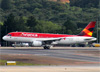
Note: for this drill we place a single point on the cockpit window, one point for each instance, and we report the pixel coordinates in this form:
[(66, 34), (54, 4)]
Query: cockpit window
[(8, 34)]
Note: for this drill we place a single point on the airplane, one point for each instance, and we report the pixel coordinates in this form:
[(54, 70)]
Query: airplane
[(47, 40)]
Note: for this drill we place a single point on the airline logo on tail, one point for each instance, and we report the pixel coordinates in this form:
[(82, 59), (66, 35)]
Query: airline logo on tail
[(88, 30)]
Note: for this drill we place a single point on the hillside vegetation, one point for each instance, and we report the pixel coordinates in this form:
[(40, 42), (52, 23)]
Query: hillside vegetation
[(47, 16)]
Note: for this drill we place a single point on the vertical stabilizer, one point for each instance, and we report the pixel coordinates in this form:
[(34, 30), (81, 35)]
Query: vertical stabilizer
[(88, 30)]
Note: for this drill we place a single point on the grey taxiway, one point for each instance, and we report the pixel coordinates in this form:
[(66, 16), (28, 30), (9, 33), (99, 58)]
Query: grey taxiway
[(67, 53)]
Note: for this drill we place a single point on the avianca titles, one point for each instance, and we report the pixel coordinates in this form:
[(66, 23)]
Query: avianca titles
[(47, 40)]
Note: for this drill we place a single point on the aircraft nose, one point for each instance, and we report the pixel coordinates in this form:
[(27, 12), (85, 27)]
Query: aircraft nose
[(4, 38)]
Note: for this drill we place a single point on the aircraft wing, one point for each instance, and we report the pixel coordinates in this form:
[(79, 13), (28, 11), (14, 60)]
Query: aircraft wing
[(50, 40)]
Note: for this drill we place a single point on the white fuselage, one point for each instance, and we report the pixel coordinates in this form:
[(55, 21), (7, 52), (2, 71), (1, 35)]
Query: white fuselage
[(66, 40)]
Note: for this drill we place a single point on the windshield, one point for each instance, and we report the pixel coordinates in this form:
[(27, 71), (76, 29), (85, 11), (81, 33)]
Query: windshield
[(8, 35)]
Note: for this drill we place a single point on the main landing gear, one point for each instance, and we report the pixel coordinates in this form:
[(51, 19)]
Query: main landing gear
[(46, 47)]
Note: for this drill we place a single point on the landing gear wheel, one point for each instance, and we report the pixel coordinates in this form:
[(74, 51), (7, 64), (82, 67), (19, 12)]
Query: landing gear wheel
[(46, 47)]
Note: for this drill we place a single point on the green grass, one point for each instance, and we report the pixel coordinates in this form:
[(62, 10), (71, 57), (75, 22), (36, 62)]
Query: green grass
[(25, 64), (3, 62)]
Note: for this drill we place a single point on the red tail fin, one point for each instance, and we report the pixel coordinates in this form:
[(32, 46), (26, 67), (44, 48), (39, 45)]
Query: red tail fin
[(88, 30)]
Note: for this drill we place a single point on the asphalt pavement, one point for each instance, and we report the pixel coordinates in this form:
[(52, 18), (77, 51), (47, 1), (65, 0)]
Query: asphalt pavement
[(66, 53)]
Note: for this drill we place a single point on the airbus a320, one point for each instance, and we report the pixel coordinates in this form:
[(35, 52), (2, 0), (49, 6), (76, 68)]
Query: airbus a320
[(47, 40)]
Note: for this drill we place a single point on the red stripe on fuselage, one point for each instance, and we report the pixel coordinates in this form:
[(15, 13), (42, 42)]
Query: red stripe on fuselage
[(38, 35)]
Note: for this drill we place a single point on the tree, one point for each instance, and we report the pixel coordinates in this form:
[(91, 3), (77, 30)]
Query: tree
[(1, 23), (6, 4), (70, 26), (10, 23), (47, 27), (32, 22), (21, 24), (84, 3)]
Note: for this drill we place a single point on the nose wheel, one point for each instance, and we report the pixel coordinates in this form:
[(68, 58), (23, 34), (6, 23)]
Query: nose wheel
[(46, 47)]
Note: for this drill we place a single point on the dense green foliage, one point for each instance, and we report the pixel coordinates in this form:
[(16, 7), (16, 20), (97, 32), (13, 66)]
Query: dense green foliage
[(85, 3), (6, 4), (52, 11), (47, 27), (47, 16)]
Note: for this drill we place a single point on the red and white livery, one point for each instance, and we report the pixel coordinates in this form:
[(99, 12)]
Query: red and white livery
[(46, 40)]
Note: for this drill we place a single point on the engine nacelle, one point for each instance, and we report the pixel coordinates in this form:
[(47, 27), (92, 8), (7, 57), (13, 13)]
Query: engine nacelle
[(37, 43)]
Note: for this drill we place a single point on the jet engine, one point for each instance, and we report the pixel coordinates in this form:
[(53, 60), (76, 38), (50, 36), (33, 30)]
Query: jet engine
[(37, 43)]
